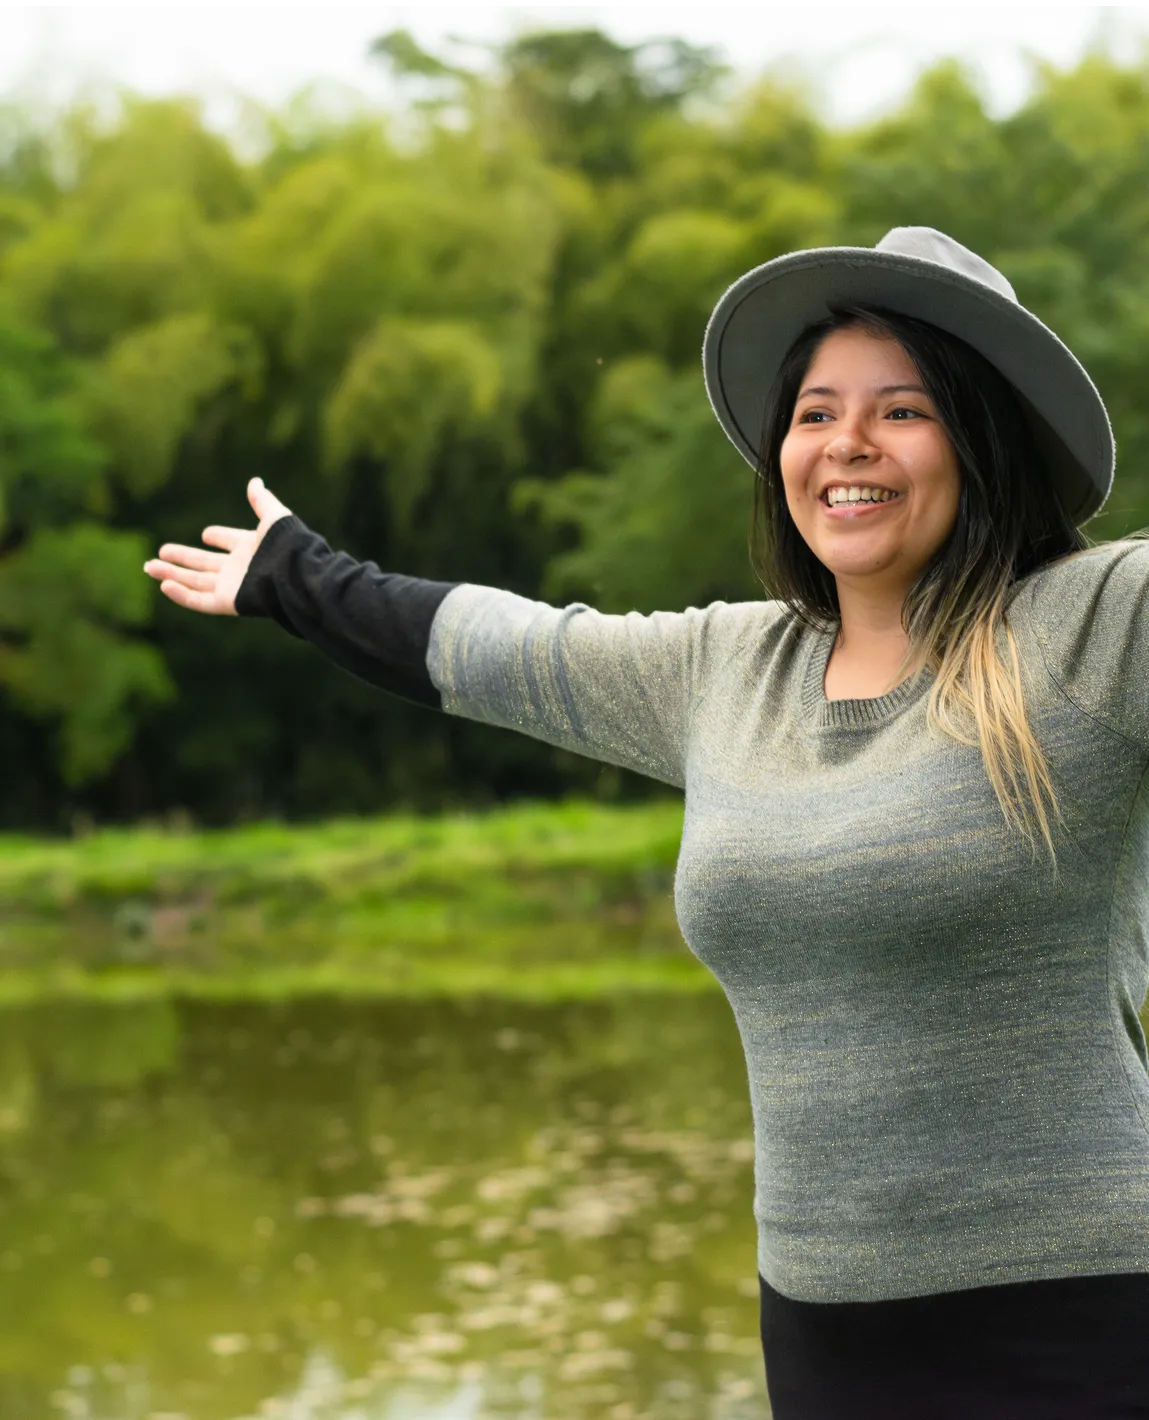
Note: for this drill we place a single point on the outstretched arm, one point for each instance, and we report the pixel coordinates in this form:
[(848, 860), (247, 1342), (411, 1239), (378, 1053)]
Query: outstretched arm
[(616, 688)]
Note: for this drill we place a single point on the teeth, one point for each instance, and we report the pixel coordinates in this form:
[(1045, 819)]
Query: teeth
[(858, 494)]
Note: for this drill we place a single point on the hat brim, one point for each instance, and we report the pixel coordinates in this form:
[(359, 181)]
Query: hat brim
[(762, 314)]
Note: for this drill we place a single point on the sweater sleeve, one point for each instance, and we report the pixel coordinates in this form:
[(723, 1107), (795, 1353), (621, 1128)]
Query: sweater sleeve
[(615, 688), (1090, 616), (374, 624)]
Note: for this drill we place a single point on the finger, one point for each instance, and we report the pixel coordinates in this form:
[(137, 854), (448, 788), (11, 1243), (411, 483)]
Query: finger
[(168, 571), (224, 537), (197, 557), (186, 597), (264, 501)]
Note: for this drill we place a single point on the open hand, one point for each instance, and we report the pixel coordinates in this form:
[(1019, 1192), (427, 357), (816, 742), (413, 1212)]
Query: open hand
[(208, 581)]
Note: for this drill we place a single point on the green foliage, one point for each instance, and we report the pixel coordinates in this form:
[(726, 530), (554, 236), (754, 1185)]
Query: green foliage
[(409, 389), (64, 593), (131, 240), (50, 466), (146, 393), (589, 98), (536, 900), (674, 269), (68, 585), (671, 514), (405, 57), (460, 338)]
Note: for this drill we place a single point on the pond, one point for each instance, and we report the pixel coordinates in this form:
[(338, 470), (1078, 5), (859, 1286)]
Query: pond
[(377, 1211)]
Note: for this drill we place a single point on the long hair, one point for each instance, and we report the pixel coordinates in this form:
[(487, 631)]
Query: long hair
[(1010, 521)]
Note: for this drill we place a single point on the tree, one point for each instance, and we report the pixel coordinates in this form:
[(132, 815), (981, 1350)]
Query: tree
[(459, 336)]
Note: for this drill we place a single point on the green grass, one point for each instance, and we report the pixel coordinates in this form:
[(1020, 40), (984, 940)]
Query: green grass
[(538, 901)]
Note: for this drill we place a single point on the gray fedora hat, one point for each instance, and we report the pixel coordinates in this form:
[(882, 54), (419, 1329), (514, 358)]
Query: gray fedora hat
[(915, 271)]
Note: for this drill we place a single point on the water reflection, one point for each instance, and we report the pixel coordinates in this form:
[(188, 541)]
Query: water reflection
[(393, 1211)]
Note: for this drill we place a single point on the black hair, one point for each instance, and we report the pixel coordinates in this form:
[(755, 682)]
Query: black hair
[(1010, 518)]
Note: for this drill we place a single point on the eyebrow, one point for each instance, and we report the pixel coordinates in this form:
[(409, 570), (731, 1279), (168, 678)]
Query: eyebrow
[(885, 389)]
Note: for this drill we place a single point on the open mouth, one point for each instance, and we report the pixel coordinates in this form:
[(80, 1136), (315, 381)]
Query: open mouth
[(840, 493)]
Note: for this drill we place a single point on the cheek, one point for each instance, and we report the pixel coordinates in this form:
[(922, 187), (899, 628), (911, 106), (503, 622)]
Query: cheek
[(945, 498), (793, 464), (950, 490), (930, 463)]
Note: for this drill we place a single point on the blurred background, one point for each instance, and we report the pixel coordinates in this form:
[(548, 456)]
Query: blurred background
[(351, 1062), (446, 298)]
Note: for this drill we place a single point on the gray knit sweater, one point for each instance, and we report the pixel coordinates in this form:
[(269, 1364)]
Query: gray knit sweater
[(947, 1072)]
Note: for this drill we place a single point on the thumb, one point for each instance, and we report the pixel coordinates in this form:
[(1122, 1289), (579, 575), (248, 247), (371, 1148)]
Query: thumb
[(263, 501)]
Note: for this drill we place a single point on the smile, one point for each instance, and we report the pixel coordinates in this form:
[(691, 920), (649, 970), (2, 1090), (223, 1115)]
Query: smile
[(855, 493), (856, 501)]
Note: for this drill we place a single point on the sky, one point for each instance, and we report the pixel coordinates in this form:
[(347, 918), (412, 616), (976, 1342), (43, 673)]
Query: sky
[(860, 58)]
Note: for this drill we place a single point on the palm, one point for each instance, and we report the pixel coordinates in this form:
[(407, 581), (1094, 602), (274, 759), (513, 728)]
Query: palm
[(205, 581)]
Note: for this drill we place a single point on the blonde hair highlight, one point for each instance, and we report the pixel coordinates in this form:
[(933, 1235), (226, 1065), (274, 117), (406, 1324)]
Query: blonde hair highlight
[(978, 700)]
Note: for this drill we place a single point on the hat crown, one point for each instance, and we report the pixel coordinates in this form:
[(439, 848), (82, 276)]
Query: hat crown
[(928, 244)]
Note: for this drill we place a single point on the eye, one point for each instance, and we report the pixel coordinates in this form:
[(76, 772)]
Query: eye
[(904, 409), (811, 415)]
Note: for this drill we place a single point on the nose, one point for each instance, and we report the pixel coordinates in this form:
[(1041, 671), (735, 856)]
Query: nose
[(849, 447)]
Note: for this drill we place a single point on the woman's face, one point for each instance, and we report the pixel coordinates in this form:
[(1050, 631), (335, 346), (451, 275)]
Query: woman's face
[(871, 478)]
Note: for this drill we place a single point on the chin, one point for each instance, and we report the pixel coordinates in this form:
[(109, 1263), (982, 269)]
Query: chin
[(858, 562)]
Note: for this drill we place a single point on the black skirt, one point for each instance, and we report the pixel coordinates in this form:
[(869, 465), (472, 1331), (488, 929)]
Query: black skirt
[(1072, 1349)]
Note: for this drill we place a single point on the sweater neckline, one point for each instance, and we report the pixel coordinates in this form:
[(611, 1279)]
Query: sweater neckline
[(857, 713)]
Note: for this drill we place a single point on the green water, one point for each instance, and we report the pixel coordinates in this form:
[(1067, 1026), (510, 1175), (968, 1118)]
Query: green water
[(324, 1211)]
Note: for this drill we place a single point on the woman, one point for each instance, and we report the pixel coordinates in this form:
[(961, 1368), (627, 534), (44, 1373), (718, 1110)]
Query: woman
[(915, 838)]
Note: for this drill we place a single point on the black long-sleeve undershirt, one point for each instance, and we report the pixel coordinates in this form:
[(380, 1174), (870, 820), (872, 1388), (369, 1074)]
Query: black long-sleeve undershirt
[(377, 625)]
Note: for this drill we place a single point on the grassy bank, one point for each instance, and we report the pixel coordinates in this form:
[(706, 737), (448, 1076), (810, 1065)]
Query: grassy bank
[(534, 901)]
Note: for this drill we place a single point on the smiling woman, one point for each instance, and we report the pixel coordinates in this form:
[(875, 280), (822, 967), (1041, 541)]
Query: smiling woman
[(949, 1081), (918, 579)]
